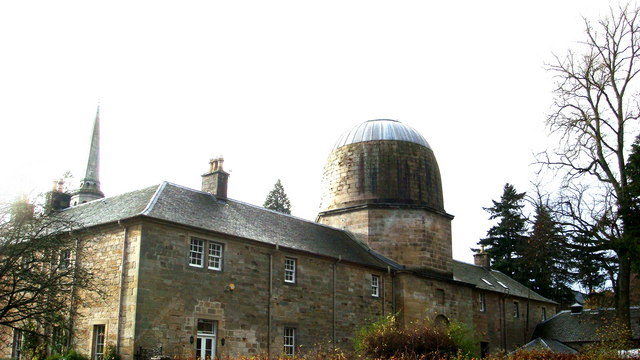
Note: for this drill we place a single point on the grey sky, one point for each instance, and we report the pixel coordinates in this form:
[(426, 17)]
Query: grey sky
[(271, 85)]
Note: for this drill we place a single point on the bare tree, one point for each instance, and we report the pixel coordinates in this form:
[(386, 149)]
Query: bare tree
[(38, 271), (595, 110)]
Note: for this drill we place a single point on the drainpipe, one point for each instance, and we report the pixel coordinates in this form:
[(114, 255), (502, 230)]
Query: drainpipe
[(269, 324), (393, 293), (73, 293), (526, 326), (333, 326), (504, 322), (122, 275)]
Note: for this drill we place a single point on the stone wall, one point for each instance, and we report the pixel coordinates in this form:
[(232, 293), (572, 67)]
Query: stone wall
[(421, 298), (381, 172), (173, 295), (102, 254), (498, 325), (413, 237)]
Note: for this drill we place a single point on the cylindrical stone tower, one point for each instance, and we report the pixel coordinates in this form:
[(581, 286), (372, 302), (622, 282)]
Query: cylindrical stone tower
[(382, 183)]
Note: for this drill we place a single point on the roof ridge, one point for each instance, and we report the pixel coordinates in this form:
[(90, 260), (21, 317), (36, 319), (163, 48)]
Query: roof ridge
[(106, 198), (153, 199), (259, 207)]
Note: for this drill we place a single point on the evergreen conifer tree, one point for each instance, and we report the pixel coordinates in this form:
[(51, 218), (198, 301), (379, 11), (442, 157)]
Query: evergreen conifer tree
[(277, 199), (633, 192), (505, 239), (545, 258), (588, 266)]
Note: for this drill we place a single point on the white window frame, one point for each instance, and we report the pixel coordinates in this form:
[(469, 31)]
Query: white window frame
[(215, 258), (196, 252), (65, 259), (290, 265), (99, 341), (289, 341), (375, 285), (16, 348), (483, 302)]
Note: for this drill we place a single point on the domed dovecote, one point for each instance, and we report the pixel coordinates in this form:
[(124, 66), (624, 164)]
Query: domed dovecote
[(382, 182)]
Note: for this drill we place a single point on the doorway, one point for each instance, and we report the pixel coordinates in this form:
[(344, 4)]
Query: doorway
[(206, 339)]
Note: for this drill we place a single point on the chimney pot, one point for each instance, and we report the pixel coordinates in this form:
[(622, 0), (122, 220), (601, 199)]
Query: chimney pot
[(57, 198), (215, 182), (482, 259)]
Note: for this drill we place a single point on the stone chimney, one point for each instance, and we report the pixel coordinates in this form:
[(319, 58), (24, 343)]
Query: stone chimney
[(57, 198), (482, 259), (215, 181)]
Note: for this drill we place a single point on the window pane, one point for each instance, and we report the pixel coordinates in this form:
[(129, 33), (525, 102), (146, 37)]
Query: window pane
[(98, 342), (17, 344), (375, 285), (206, 326), (65, 259), (196, 252), (215, 256), (290, 270), (289, 341)]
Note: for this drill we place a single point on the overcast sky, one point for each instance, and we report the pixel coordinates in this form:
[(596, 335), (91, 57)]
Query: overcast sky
[(271, 85)]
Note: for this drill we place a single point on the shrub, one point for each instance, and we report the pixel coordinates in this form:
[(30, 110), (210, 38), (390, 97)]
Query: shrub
[(33, 345), (74, 355), (384, 339), (111, 353), (463, 336)]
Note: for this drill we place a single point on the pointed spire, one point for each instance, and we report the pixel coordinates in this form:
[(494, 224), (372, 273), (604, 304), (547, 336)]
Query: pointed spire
[(90, 185), (94, 152)]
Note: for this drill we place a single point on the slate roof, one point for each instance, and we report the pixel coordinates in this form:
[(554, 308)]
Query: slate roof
[(548, 344), (582, 327), (181, 205), (491, 280), (202, 210)]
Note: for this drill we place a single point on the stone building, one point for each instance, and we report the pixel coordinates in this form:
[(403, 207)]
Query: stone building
[(193, 272)]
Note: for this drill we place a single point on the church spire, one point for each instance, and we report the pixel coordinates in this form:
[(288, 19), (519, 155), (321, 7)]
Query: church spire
[(94, 151), (90, 184)]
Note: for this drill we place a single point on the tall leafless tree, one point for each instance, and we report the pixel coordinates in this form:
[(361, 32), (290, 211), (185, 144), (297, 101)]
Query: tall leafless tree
[(38, 270), (594, 114)]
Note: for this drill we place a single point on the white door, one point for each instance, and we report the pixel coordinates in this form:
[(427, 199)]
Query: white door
[(206, 340), (206, 347)]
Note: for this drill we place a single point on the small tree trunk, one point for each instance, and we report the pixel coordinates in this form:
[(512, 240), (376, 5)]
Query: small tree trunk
[(622, 293)]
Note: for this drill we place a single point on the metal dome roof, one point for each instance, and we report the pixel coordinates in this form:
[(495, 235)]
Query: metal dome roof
[(381, 129)]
